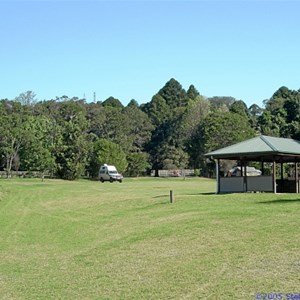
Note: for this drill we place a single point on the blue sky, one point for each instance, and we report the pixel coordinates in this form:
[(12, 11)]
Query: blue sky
[(130, 49)]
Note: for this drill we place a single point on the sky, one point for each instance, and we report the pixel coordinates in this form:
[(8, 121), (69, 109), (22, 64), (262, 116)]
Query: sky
[(130, 49)]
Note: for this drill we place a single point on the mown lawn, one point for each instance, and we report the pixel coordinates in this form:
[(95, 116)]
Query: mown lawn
[(88, 240)]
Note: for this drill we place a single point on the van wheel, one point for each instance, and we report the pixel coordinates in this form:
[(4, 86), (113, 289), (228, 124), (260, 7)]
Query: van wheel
[(101, 179), (111, 180), (120, 181)]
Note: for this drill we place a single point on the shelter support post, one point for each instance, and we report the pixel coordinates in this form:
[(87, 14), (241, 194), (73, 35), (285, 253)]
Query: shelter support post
[(274, 177), (218, 175), (245, 177), (297, 177)]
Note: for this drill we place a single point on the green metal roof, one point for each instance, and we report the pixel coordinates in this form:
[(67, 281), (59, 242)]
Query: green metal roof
[(260, 146)]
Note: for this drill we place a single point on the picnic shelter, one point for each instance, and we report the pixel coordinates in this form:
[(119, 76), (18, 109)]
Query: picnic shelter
[(276, 152)]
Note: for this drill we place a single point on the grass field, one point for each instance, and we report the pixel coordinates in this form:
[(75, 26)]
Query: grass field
[(88, 240)]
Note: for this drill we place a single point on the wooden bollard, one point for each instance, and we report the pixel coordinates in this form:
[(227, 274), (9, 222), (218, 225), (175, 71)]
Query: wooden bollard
[(171, 197)]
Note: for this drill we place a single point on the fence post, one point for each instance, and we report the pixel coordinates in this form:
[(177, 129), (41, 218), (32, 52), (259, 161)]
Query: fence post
[(171, 197)]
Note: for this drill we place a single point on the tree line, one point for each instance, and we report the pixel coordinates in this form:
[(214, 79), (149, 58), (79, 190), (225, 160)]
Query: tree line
[(69, 138)]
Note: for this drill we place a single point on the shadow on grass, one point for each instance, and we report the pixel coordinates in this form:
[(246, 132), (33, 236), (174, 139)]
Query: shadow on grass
[(279, 201), (193, 194), (156, 203), (160, 196), (205, 194)]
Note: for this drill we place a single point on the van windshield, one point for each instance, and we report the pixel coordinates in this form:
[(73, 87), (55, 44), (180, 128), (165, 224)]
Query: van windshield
[(112, 172)]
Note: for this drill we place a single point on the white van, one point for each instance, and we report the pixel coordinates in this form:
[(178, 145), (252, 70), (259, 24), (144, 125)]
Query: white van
[(109, 173)]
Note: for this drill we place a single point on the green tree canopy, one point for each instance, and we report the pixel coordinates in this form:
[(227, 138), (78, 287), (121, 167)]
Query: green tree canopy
[(133, 103), (106, 152), (15, 133), (192, 92), (174, 94), (137, 163), (220, 130), (139, 128), (37, 154), (281, 116), (157, 110), (113, 102), (239, 107), (72, 144)]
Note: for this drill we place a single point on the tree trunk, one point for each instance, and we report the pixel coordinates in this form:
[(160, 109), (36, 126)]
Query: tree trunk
[(9, 160)]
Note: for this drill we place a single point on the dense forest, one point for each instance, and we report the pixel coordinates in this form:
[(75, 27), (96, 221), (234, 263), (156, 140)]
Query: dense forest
[(69, 138)]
